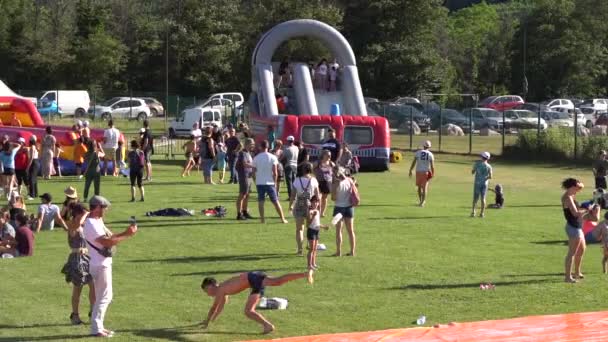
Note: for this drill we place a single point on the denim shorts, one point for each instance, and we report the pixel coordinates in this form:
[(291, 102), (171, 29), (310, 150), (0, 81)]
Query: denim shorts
[(267, 189), (207, 167), (480, 190), (574, 232), (347, 212)]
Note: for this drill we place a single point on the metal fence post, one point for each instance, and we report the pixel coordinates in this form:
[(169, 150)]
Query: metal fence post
[(575, 136), (538, 131), (411, 127), (440, 125), (504, 132), (470, 131)]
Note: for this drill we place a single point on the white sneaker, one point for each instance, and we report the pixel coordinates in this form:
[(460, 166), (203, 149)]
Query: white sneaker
[(30, 198), (80, 177)]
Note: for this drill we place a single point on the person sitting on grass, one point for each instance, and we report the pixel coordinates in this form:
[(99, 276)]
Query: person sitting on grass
[(499, 201), (482, 171), (48, 213), (313, 223), (7, 233), (24, 238), (190, 148), (137, 164), (257, 282)]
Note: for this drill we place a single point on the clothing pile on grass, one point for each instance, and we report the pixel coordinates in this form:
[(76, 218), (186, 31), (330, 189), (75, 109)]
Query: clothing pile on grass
[(218, 211)]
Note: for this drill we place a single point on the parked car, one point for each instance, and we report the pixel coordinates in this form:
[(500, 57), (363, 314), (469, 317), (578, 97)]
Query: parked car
[(485, 118), (602, 120), (398, 115), (591, 115), (503, 102), (533, 106), (581, 120), (204, 116), (597, 104), (405, 100), (369, 100), (156, 108), (48, 109), (559, 103), (525, 119), (450, 116), (557, 119), (72, 102), (121, 107)]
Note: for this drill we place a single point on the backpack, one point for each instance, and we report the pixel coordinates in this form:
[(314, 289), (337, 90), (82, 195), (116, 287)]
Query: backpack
[(302, 202), (137, 159)]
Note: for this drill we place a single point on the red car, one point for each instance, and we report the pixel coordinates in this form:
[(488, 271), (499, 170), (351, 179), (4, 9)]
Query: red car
[(501, 103)]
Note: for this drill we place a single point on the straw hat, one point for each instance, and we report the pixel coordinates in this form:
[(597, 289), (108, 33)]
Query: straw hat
[(70, 192)]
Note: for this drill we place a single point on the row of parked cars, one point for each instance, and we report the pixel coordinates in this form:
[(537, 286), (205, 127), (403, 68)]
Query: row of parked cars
[(493, 112)]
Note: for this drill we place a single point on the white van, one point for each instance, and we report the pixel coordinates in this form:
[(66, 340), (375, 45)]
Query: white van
[(204, 116), (71, 102)]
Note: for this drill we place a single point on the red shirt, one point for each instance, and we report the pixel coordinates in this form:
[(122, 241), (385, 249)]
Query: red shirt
[(281, 104), (25, 241), (21, 160)]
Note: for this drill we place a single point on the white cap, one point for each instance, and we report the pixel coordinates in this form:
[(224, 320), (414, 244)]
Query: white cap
[(427, 144), (86, 123), (291, 138), (79, 123), (21, 140), (485, 155)]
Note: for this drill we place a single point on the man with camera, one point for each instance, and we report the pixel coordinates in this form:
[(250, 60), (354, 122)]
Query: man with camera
[(101, 242)]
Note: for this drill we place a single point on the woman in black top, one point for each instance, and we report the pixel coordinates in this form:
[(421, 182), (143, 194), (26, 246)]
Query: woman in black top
[(575, 215)]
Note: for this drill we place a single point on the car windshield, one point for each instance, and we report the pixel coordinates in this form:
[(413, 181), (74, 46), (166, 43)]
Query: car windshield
[(492, 113), (526, 114), (488, 100), (559, 115), (108, 103)]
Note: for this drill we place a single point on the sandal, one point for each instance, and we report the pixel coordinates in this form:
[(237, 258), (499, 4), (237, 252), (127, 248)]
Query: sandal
[(578, 276), (570, 280)]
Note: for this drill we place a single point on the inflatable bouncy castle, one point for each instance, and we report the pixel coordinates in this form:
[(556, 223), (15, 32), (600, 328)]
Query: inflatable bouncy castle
[(32, 124), (312, 110)]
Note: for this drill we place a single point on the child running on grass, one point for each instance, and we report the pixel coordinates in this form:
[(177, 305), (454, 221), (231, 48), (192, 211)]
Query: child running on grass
[(190, 150), (136, 169), (313, 224)]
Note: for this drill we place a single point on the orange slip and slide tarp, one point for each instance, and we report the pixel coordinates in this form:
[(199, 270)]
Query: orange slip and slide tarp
[(588, 327)]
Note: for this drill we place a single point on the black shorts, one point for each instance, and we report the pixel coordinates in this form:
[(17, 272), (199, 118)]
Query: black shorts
[(136, 176), (312, 234), (147, 156), (21, 176), (600, 182), (245, 185), (8, 171), (324, 187), (256, 282)]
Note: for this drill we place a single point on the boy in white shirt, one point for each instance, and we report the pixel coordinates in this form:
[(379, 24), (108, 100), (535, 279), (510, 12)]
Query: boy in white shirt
[(424, 161), (265, 165)]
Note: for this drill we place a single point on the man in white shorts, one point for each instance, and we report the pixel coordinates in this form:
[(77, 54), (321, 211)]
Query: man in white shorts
[(110, 144), (424, 161)]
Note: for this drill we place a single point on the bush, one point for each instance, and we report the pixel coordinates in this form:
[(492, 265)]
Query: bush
[(555, 145)]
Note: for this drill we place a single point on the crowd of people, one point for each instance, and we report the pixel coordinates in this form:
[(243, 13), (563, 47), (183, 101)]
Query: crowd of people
[(324, 75)]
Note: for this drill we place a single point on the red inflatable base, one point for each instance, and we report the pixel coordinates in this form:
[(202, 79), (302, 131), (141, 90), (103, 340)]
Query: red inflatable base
[(589, 326)]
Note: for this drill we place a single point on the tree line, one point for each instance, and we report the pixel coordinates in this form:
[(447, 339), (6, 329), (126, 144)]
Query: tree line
[(536, 48)]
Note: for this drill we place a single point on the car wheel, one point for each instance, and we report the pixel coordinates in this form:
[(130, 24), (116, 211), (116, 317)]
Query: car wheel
[(589, 124), (171, 133), (141, 116), (80, 113), (153, 112), (106, 116)]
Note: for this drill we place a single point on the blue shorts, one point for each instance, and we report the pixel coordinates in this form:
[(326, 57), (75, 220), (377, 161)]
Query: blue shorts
[(207, 167), (480, 190), (574, 232), (267, 189), (347, 212), (221, 161), (256, 282)]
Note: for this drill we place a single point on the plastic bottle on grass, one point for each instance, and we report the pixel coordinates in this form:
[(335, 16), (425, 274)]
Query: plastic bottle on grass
[(421, 320)]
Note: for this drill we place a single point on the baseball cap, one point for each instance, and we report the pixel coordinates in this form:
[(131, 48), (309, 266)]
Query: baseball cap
[(427, 143), (485, 155), (21, 140), (98, 201), (47, 197), (291, 138)]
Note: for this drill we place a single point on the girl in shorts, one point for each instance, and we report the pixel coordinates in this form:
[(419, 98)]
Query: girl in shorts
[(136, 169), (324, 171), (313, 225), (221, 159)]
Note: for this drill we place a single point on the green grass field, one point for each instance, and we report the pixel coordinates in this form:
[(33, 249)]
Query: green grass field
[(410, 261)]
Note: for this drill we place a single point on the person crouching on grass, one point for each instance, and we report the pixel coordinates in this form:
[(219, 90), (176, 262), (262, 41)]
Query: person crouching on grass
[(257, 281), (313, 223), (600, 233)]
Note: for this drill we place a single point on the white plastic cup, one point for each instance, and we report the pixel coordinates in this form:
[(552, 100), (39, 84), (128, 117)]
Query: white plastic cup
[(336, 219)]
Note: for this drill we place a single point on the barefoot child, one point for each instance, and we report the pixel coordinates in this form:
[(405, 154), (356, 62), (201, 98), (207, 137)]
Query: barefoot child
[(600, 233), (189, 150), (499, 200), (257, 281), (56, 163), (313, 224)]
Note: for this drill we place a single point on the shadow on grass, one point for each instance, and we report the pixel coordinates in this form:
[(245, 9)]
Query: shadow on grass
[(468, 285), (551, 242), (533, 205), (210, 273), (34, 326), (534, 275), (214, 258), (417, 218), (43, 338)]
